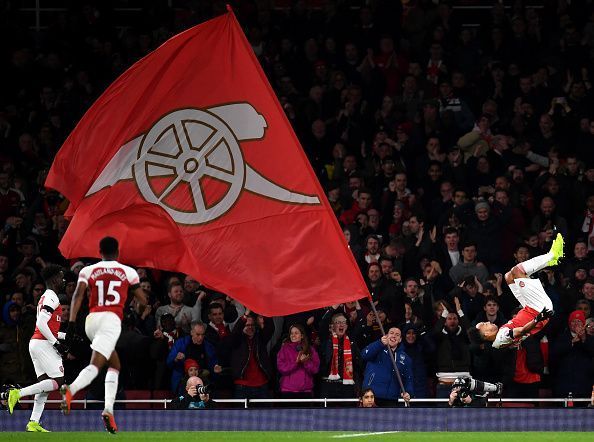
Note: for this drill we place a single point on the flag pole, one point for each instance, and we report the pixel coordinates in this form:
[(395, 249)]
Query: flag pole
[(392, 357)]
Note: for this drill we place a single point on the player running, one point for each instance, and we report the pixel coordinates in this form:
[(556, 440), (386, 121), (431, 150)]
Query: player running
[(108, 282), (537, 307), (45, 349)]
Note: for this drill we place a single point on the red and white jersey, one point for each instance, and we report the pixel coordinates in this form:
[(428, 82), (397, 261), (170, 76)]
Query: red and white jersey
[(50, 299), (108, 282), (524, 316)]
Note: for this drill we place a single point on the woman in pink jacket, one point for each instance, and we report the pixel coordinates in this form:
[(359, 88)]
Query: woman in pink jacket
[(297, 363)]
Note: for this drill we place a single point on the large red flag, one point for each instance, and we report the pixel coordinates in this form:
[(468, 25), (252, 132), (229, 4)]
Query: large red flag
[(189, 160)]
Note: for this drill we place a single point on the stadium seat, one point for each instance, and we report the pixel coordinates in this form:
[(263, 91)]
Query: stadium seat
[(518, 405), (23, 406), (161, 394), (545, 393), (53, 396), (136, 395), (56, 396)]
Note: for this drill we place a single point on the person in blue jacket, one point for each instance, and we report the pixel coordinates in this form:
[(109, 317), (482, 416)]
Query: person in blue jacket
[(193, 347), (379, 371)]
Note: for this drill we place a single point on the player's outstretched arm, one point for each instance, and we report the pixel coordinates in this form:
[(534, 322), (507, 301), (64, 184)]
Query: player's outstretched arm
[(542, 316), (521, 331)]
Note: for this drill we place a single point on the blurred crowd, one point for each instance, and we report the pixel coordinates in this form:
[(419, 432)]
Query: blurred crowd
[(448, 153)]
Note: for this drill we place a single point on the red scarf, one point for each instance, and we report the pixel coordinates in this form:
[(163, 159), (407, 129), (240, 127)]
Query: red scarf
[(347, 371), (433, 71), (222, 330)]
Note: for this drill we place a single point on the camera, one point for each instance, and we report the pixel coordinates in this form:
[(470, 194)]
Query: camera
[(203, 389), (464, 387), (468, 385)]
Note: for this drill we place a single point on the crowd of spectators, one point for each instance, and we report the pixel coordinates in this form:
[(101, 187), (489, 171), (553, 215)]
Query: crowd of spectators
[(447, 152)]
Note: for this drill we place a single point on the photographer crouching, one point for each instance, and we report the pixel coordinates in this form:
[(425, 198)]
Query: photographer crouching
[(468, 392), (195, 396)]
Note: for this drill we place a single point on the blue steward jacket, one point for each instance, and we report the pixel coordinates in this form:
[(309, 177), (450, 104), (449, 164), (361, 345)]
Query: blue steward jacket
[(379, 371)]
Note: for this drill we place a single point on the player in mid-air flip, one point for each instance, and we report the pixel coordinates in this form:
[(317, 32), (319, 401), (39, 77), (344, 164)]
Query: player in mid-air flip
[(45, 348), (537, 307), (108, 282)]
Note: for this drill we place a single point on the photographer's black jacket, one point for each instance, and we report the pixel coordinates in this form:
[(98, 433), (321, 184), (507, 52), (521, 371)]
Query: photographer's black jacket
[(478, 401), (187, 402)]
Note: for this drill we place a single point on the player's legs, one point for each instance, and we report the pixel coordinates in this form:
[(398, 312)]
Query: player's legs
[(534, 294), (111, 381), (539, 262), (45, 385), (111, 388), (39, 404), (89, 373), (84, 378), (103, 329), (49, 371), (510, 278)]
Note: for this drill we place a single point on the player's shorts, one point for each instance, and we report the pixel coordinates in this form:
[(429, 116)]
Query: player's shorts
[(103, 329), (46, 359), (532, 294)]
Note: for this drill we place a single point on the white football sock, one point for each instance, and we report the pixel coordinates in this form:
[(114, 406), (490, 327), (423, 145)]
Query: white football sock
[(111, 388), (38, 406), (537, 263), (85, 377), (44, 386)]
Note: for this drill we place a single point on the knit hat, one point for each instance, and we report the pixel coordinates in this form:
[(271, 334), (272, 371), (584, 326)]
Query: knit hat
[(577, 314), (481, 205), (190, 363)]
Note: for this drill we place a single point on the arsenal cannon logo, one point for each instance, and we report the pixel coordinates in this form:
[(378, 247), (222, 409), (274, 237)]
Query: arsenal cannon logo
[(188, 150)]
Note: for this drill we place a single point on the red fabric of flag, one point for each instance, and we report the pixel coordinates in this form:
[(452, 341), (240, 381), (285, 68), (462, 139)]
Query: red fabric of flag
[(189, 161)]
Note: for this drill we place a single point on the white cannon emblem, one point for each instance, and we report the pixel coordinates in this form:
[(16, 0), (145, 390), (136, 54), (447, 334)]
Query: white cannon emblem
[(187, 145)]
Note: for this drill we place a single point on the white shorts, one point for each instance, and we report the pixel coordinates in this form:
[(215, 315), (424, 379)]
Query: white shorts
[(46, 359), (531, 293), (103, 329)]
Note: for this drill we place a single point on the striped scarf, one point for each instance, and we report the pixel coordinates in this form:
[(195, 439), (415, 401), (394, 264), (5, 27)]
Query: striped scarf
[(347, 377)]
